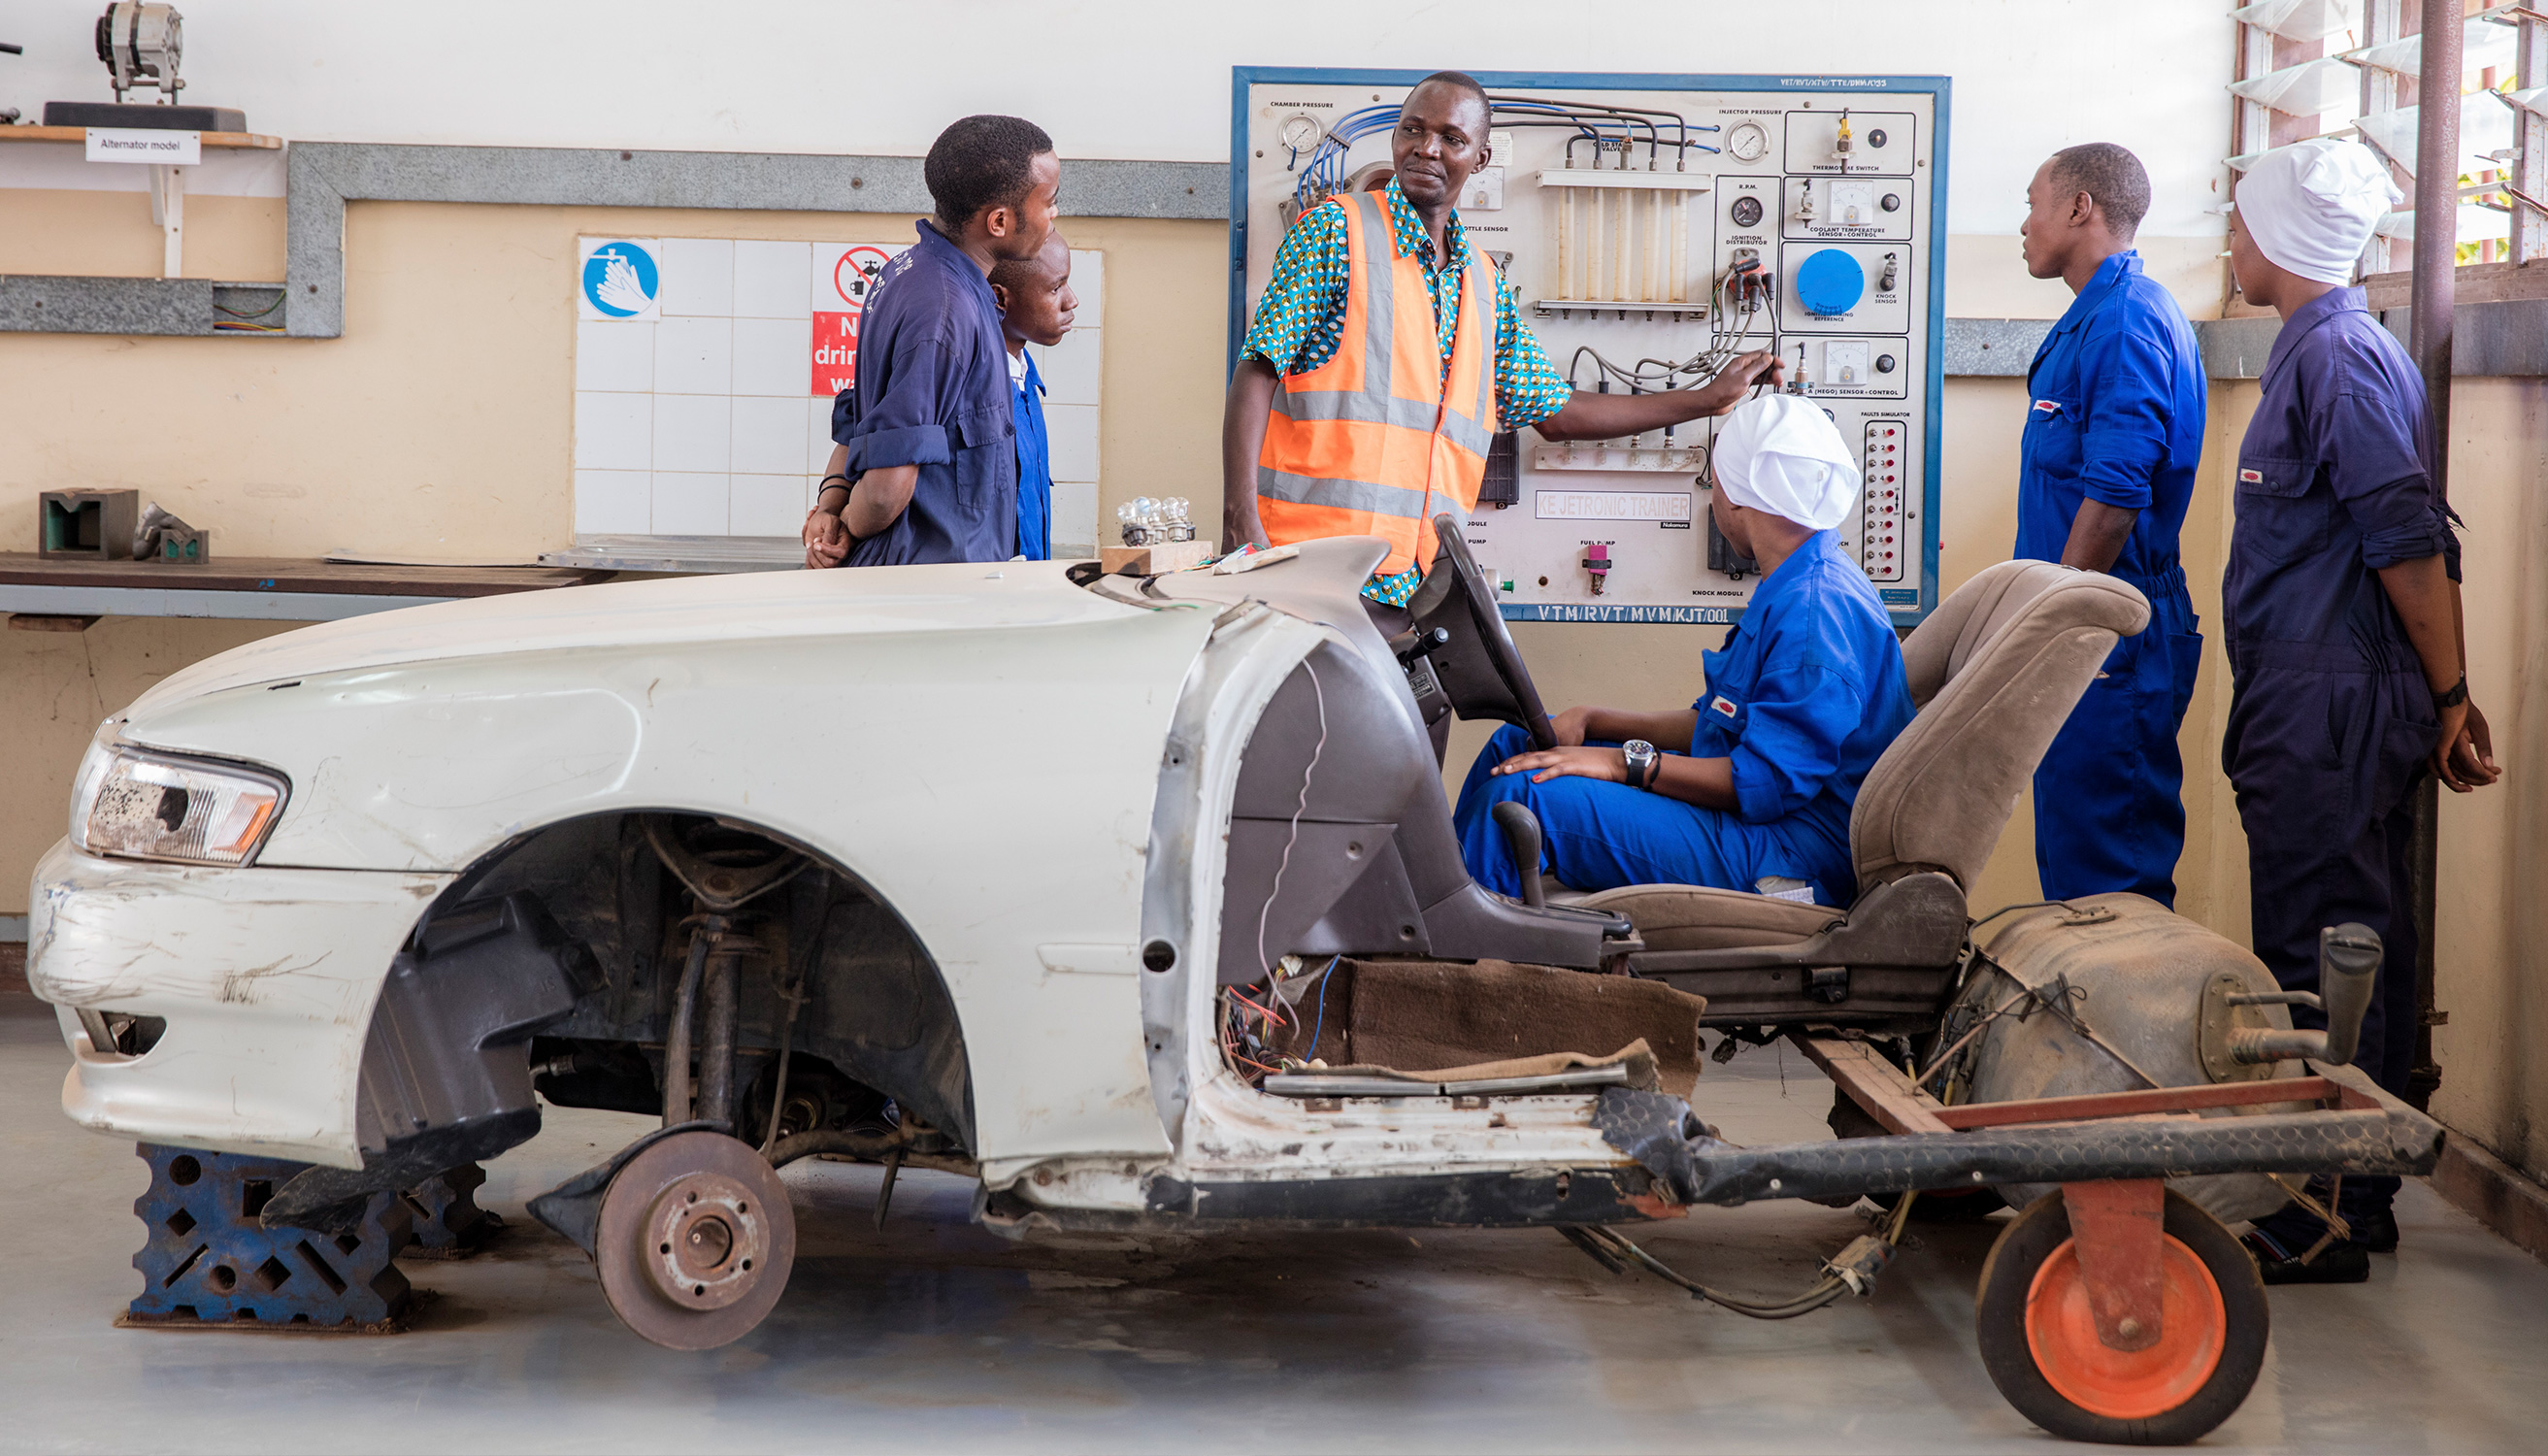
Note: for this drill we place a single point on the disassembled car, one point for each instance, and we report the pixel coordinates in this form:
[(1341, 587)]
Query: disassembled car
[(1137, 899)]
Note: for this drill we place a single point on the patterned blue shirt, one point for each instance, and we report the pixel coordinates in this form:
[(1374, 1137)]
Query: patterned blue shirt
[(1301, 320)]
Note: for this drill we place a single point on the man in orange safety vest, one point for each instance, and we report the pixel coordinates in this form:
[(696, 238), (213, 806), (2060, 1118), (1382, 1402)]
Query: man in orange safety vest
[(1386, 355)]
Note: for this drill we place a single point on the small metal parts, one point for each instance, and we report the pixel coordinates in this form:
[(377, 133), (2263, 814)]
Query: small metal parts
[(1144, 521)]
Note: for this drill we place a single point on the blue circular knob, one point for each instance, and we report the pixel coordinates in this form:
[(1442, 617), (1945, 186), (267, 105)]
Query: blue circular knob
[(1830, 283)]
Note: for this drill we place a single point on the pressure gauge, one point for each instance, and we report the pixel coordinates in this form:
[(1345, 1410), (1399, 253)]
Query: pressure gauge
[(1299, 132), (1747, 142)]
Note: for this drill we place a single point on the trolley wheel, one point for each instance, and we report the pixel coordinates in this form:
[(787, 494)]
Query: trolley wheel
[(2038, 1335), (695, 1241)]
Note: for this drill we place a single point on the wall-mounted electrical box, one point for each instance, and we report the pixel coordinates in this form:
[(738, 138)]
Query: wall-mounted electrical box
[(1653, 226)]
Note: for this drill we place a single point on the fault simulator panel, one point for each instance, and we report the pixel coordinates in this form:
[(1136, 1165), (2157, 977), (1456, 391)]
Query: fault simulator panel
[(1653, 228)]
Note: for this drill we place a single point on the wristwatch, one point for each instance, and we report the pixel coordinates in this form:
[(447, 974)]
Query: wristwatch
[(1642, 761), (2453, 699)]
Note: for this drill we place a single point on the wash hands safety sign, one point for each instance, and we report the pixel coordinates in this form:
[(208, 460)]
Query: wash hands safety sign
[(620, 280)]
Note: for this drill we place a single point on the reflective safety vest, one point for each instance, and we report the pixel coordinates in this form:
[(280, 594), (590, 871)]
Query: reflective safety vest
[(1380, 437)]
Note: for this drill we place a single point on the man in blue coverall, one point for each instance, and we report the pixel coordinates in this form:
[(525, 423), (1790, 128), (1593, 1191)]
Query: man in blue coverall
[(1036, 306), (1752, 786), (2106, 469), (930, 471), (2341, 610)]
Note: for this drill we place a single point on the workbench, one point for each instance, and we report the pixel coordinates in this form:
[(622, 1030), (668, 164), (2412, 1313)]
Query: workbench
[(254, 589)]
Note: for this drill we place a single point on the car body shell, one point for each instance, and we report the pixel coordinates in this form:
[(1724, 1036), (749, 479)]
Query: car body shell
[(1036, 777)]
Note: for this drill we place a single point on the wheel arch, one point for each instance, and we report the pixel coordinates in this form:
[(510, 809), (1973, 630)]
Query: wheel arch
[(872, 1001)]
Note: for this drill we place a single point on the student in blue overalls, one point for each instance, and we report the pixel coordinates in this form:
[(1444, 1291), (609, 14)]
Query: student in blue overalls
[(1036, 306), (926, 470), (2341, 608), (1749, 787), (2105, 471)]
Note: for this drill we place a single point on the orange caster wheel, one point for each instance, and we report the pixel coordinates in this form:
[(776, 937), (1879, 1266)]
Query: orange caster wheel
[(2040, 1340)]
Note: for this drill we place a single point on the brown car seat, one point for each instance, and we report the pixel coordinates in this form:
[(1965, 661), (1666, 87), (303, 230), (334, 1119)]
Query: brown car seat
[(1994, 672)]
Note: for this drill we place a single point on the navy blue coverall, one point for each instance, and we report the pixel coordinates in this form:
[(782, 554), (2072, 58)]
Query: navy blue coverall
[(933, 390), (2332, 718), (1806, 693), (2117, 415)]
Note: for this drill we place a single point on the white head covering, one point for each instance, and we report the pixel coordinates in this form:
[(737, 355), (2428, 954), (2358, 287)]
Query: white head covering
[(1781, 454), (2311, 205)]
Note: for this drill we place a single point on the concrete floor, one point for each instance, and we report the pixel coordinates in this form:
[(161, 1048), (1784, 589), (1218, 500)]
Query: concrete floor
[(940, 1334)]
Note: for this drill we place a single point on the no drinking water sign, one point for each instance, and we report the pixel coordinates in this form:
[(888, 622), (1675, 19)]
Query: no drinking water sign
[(851, 273)]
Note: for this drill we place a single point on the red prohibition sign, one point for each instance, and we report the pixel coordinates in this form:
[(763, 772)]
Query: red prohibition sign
[(855, 273)]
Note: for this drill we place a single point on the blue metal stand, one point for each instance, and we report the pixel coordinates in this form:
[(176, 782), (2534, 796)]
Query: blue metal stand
[(450, 1224), (210, 1259)]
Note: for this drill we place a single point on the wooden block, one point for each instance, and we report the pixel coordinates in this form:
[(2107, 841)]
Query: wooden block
[(1152, 560)]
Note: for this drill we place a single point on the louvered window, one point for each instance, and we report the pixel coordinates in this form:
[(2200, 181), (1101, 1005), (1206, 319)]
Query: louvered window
[(2349, 67)]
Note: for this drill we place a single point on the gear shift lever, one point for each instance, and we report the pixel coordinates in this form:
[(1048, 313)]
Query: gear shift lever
[(1521, 832)]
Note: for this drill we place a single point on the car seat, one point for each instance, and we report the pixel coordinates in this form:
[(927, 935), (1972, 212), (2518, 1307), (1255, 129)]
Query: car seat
[(1994, 672)]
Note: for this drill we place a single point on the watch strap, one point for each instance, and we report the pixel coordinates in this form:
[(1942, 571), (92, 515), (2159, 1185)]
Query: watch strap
[(2453, 699)]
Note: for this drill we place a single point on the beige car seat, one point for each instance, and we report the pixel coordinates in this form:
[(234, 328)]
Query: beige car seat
[(1994, 672)]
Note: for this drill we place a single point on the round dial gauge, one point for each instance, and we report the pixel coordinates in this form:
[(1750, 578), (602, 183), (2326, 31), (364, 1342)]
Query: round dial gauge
[(1747, 142), (1747, 212), (1299, 133)]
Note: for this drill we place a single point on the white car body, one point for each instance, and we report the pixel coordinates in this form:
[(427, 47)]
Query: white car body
[(980, 746)]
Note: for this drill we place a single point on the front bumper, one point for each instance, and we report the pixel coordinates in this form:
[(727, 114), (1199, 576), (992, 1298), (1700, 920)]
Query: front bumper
[(265, 977)]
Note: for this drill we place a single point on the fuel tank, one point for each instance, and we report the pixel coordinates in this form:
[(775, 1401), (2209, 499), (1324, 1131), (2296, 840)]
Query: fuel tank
[(2114, 993)]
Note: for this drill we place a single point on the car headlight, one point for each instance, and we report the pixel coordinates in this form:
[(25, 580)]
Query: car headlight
[(158, 806)]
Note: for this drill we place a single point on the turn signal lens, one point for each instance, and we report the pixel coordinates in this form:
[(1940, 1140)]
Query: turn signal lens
[(192, 811)]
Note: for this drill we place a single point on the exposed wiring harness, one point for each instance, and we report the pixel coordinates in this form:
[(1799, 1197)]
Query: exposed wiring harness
[(1851, 1271)]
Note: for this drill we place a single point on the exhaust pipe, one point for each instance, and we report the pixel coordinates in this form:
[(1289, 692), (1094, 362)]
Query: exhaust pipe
[(2348, 960)]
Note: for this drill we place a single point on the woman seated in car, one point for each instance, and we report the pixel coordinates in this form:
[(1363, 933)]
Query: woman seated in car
[(1749, 787)]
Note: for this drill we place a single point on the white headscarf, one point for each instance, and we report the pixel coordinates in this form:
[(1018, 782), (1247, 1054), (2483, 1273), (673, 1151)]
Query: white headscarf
[(2311, 205), (1781, 454)]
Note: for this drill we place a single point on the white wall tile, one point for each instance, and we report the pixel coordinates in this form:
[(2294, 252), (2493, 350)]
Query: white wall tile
[(612, 503), (774, 356), (699, 277), (690, 503), (610, 355), (692, 432), (1074, 517), (1070, 368), (1073, 429), (766, 506), (818, 434), (769, 436), (704, 424), (694, 357), (613, 431), (1088, 280), (769, 279)]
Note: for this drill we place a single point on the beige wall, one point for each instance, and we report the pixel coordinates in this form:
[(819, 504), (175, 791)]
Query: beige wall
[(110, 235), (2492, 880), (441, 422)]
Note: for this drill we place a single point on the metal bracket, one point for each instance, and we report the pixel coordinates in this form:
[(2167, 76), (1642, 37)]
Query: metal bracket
[(2117, 1235)]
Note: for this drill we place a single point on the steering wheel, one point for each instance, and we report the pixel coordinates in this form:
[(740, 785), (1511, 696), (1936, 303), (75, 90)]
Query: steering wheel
[(1461, 633)]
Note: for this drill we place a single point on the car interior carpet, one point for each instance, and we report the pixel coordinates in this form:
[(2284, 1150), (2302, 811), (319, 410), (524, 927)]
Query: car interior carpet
[(1459, 1015)]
